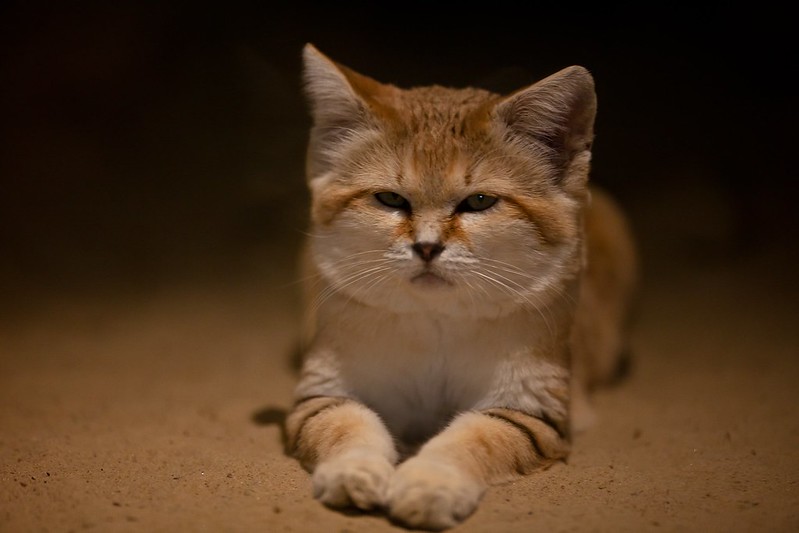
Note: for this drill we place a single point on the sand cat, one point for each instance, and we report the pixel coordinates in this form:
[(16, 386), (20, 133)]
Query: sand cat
[(466, 287)]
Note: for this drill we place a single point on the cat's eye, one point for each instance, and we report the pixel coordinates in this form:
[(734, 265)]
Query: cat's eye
[(476, 202), (393, 200)]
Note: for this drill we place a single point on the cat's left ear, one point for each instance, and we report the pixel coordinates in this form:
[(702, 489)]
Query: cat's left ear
[(555, 118)]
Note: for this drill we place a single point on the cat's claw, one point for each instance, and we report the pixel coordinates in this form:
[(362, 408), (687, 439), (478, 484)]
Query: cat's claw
[(358, 479), (430, 495)]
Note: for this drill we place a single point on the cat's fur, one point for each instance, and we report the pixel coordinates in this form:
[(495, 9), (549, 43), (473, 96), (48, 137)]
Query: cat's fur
[(454, 337)]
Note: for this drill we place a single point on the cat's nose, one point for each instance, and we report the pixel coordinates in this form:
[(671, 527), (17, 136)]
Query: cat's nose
[(428, 250)]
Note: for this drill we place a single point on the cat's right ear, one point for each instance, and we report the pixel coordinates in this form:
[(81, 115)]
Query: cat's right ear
[(343, 104), (555, 119)]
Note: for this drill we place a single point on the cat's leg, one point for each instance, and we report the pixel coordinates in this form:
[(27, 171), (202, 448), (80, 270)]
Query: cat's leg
[(442, 484), (347, 448)]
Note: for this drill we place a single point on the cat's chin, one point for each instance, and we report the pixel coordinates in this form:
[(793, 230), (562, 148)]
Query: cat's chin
[(430, 279)]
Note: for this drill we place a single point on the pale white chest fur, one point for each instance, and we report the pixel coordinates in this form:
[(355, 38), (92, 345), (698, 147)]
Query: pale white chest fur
[(417, 370)]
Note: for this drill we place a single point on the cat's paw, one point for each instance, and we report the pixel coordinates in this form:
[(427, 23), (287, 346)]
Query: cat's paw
[(358, 478), (432, 495)]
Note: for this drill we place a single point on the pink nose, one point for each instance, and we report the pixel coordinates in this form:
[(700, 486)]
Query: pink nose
[(428, 250)]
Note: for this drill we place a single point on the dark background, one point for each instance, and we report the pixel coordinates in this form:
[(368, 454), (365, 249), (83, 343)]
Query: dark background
[(146, 143)]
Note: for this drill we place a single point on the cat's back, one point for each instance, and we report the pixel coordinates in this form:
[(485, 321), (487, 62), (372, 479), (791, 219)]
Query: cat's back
[(609, 280), (612, 265)]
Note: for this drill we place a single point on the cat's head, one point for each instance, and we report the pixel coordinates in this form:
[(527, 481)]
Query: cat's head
[(459, 200)]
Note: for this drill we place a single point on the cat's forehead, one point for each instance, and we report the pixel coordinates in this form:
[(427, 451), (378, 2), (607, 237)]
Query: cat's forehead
[(435, 110), (437, 132)]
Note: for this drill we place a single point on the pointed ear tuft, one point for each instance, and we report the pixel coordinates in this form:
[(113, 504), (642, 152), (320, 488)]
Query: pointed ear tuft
[(342, 103), (556, 116), (333, 100)]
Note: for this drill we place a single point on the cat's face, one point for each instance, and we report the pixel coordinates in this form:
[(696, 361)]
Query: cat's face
[(426, 199)]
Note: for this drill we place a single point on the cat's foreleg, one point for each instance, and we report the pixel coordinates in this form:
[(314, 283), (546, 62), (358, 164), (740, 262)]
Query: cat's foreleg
[(443, 483), (346, 447)]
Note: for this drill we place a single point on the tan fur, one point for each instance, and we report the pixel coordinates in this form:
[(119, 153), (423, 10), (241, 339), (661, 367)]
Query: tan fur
[(465, 363), (609, 282)]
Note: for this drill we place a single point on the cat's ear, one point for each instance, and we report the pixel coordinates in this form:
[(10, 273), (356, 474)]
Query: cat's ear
[(555, 117), (343, 103)]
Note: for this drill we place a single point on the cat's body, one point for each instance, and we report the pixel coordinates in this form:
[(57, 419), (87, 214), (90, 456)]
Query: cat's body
[(448, 288)]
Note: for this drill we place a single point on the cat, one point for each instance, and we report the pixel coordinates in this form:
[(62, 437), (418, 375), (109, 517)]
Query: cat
[(465, 289)]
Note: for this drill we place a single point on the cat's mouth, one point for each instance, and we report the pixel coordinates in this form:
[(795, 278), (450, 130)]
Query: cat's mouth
[(428, 278)]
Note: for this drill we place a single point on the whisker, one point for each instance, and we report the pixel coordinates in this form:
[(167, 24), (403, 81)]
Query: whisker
[(513, 292), (541, 308), (347, 282), (509, 268), (370, 286), (318, 277)]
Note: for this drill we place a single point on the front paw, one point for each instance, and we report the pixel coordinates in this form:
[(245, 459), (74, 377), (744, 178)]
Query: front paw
[(432, 495), (359, 478)]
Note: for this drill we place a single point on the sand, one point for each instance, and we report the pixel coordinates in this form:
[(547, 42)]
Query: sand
[(161, 412)]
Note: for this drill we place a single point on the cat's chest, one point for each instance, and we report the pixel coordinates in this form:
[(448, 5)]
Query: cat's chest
[(416, 370)]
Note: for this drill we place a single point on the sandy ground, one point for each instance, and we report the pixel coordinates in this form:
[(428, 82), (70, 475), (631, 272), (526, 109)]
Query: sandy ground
[(151, 200), (160, 411)]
